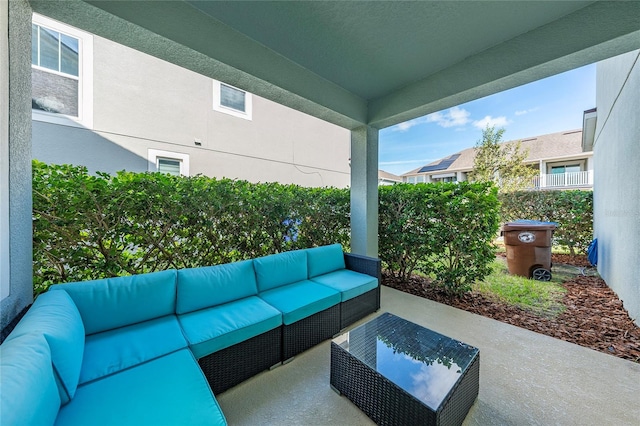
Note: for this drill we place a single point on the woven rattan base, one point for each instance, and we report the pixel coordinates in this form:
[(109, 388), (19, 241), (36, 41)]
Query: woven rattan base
[(359, 307), (235, 364), (308, 332)]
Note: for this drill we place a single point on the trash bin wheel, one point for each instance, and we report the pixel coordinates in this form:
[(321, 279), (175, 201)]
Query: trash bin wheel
[(541, 274)]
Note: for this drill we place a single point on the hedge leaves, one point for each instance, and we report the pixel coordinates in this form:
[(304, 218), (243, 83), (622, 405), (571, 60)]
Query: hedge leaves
[(96, 226)]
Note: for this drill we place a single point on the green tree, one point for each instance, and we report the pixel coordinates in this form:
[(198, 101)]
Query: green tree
[(501, 163)]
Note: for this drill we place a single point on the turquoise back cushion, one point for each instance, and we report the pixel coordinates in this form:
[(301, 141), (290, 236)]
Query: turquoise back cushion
[(325, 259), (280, 269), (115, 302), (200, 288), (28, 388), (112, 351), (55, 316)]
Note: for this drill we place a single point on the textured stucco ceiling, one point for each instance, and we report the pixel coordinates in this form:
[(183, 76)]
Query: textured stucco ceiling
[(374, 48), (354, 63)]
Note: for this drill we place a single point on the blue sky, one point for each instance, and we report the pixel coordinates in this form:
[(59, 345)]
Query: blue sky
[(546, 106)]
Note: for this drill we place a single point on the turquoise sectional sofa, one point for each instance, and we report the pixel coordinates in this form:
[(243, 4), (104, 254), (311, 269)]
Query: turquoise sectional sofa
[(155, 348)]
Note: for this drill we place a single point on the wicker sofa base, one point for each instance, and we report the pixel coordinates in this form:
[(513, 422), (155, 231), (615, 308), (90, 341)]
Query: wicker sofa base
[(309, 331), (359, 307), (231, 366), (387, 404)]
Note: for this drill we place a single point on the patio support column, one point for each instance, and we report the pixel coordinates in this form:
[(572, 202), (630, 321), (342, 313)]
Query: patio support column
[(364, 191), (16, 240)]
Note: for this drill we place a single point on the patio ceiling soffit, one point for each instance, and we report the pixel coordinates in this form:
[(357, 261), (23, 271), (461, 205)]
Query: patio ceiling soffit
[(183, 34)]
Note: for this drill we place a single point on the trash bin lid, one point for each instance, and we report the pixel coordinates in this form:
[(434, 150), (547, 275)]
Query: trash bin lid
[(528, 224)]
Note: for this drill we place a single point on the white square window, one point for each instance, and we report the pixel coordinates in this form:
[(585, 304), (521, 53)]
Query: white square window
[(61, 73), (231, 100), (169, 166), (173, 163)]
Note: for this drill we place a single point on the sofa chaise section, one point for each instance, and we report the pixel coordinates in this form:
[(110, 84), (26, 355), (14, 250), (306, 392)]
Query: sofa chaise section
[(170, 390), (310, 311), (132, 367), (233, 333)]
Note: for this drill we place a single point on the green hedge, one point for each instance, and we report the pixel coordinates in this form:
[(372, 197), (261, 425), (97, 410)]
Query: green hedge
[(444, 230), (573, 210), (95, 226), (90, 227)]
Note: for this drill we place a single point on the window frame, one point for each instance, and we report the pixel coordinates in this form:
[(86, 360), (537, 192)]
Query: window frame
[(570, 163), (85, 76), (217, 105), (174, 161), (153, 155)]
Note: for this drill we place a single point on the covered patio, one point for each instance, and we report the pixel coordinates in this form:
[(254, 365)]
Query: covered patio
[(526, 378), (363, 66)]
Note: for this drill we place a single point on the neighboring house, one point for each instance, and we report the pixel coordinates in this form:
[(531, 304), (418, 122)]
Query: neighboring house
[(386, 178), (103, 105), (558, 157), (616, 192)]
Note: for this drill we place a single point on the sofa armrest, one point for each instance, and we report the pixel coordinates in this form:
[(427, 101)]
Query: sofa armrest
[(364, 265)]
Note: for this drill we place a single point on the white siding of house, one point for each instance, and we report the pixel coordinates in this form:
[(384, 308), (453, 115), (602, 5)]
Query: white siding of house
[(616, 186), (142, 103)]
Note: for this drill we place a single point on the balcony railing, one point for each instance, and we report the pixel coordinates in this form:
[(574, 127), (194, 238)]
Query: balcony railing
[(556, 180)]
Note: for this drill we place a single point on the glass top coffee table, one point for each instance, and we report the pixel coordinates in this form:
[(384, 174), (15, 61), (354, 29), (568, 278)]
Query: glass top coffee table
[(398, 372)]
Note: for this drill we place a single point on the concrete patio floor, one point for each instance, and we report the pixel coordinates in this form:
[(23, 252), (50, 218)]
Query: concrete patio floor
[(526, 378)]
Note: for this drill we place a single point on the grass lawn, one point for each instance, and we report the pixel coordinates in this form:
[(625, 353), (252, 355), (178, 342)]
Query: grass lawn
[(542, 298)]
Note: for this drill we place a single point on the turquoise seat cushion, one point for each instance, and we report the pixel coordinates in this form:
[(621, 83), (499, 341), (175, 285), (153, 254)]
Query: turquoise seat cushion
[(200, 288), (325, 259), (115, 302), (350, 284), (29, 395), (115, 350), (170, 390), (300, 300), (280, 269), (55, 316), (213, 329)]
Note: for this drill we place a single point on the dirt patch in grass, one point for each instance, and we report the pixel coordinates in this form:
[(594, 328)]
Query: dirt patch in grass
[(594, 316)]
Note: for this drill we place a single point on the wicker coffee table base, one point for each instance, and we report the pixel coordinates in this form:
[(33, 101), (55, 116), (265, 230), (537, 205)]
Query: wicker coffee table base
[(387, 404)]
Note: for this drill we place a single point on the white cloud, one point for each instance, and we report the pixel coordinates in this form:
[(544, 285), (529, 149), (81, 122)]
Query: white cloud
[(456, 116), (491, 122), (526, 111), (403, 127)]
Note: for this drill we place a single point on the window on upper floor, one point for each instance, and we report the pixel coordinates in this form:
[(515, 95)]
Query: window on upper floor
[(231, 100), (61, 73), (167, 162)]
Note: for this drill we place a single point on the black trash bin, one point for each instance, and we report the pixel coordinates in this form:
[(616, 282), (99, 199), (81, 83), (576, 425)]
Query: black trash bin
[(528, 244)]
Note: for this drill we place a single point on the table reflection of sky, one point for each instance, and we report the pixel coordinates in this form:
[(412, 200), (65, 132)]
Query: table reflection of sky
[(428, 383)]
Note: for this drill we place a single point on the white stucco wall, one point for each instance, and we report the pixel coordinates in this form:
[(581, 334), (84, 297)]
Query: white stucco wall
[(616, 183), (141, 102), (17, 60)]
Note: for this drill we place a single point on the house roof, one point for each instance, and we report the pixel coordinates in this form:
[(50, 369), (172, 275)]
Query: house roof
[(543, 147), (388, 176)]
